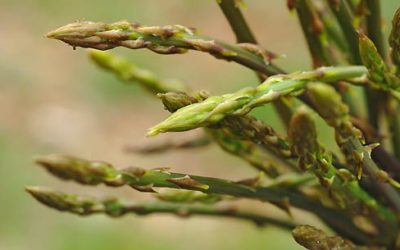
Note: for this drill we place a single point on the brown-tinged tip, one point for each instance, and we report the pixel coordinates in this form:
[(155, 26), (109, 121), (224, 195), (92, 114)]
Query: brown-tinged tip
[(76, 30)]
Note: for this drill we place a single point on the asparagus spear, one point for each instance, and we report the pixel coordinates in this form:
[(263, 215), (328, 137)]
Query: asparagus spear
[(129, 72), (243, 34), (172, 101), (394, 40), (172, 39), (315, 239), (229, 140), (91, 173), (335, 112), (314, 32), (341, 185), (84, 205), (216, 108), (379, 74)]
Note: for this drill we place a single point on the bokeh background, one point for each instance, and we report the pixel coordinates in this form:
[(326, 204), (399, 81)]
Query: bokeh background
[(53, 100)]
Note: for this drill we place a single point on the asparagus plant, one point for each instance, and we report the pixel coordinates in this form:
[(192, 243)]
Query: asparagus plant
[(354, 192)]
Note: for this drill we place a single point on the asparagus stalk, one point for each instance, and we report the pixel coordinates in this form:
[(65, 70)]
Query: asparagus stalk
[(380, 76), (129, 72), (335, 112), (345, 19), (93, 173), (322, 52), (175, 100), (332, 29), (374, 31), (237, 22), (315, 239), (242, 127), (83, 205), (313, 30), (248, 151), (240, 28), (172, 39), (172, 101), (186, 196), (394, 40), (393, 107), (341, 185), (374, 25), (243, 34), (216, 108), (250, 128), (229, 138)]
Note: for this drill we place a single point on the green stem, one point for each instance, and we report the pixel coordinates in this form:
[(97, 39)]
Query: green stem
[(244, 34), (334, 218), (236, 21), (315, 32), (252, 153), (374, 26), (332, 29), (345, 19), (374, 32), (313, 28), (93, 173), (216, 108), (341, 184), (130, 73), (263, 159), (164, 40), (393, 108), (252, 129), (335, 113), (114, 207)]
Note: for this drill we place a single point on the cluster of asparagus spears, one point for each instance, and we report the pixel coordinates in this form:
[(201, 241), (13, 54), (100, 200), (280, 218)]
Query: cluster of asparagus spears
[(355, 193)]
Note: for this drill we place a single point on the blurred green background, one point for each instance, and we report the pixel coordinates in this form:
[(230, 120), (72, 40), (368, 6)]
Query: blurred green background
[(53, 100)]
